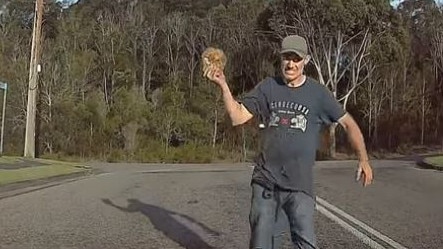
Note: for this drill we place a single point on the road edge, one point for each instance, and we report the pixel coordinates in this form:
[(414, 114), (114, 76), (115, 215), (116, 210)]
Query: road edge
[(18, 188), (421, 162)]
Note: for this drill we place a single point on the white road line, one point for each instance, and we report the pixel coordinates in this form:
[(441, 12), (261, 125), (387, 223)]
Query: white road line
[(362, 225), (363, 237)]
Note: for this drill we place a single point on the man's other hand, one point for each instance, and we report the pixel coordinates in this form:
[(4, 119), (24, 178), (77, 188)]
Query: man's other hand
[(364, 173)]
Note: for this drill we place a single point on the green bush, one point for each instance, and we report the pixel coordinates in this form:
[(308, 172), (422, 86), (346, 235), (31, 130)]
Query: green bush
[(116, 156)]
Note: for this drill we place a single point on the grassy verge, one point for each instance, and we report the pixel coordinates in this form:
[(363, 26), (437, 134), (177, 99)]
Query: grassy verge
[(435, 160), (9, 160), (49, 169)]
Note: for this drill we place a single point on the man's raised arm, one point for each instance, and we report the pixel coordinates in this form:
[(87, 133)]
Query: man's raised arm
[(237, 112)]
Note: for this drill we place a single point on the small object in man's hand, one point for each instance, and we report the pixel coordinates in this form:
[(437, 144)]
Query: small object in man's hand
[(213, 58)]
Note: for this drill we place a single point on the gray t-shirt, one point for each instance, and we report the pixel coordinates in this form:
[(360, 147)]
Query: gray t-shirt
[(292, 119)]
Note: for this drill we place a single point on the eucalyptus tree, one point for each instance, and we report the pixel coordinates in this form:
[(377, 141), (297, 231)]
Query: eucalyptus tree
[(423, 18), (340, 35)]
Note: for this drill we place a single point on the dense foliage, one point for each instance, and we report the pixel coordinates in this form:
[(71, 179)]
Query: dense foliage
[(121, 80)]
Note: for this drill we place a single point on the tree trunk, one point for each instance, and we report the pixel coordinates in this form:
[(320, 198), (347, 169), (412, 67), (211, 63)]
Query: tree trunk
[(391, 109), (149, 79), (370, 110), (130, 134), (50, 123), (376, 114), (423, 110), (332, 141), (167, 133), (105, 89), (214, 135), (191, 80), (91, 137), (144, 73)]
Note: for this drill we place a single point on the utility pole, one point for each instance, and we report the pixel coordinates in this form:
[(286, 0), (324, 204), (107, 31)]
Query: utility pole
[(3, 86), (33, 77)]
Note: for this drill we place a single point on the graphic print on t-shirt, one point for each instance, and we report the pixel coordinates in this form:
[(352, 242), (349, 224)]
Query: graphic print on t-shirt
[(288, 114)]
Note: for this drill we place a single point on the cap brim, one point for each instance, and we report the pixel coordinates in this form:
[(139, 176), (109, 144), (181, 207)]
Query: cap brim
[(299, 53)]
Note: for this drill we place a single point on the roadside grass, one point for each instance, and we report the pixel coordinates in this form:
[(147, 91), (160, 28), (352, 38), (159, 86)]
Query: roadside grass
[(9, 160), (43, 169), (435, 160)]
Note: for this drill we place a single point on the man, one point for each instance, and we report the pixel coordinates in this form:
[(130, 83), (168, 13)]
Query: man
[(291, 109)]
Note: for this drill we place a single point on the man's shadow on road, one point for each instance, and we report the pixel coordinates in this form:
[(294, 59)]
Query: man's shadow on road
[(164, 221)]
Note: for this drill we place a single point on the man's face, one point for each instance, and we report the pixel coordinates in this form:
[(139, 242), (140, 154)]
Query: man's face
[(292, 66)]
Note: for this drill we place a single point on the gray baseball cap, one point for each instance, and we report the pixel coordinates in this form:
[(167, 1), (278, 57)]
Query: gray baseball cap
[(295, 44)]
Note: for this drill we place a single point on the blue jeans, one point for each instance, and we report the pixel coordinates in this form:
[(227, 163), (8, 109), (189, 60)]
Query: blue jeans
[(269, 209)]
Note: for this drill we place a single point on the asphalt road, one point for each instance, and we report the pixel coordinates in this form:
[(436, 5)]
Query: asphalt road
[(206, 206)]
